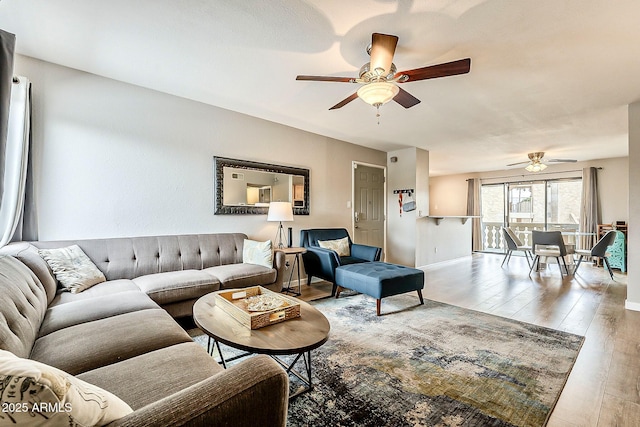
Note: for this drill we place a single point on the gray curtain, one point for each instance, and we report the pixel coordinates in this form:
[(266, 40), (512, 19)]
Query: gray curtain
[(7, 46), (473, 209), (590, 209)]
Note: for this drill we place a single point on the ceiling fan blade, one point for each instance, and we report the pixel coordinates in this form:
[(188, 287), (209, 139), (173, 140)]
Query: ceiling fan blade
[(519, 163), (405, 99), (561, 161), (383, 47), (344, 101), (327, 79), (453, 68)]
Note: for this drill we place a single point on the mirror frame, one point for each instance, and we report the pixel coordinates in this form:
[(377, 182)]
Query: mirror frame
[(219, 163)]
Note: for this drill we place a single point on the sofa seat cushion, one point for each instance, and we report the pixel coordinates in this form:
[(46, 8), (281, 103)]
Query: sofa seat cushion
[(73, 313), (346, 260), (147, 378), (172, 286), (242, 275), (109, 287), (90, 345)]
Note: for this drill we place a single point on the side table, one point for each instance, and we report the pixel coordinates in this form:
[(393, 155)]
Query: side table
[(296, 252)]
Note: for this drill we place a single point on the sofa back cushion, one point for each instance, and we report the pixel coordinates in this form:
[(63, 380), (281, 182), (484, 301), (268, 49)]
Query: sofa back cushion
[(131, 257), (23, 302), (28, 254)]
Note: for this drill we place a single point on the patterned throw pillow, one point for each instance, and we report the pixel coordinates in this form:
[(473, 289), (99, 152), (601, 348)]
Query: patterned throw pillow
[(36, 394), (258, 253), (341, 246), (72, 268)]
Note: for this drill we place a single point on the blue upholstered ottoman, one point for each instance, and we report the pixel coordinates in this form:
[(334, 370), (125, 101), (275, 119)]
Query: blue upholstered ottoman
[(379, 280)]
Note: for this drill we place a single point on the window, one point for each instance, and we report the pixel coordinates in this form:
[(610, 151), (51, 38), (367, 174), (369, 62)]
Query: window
[(520, 201)]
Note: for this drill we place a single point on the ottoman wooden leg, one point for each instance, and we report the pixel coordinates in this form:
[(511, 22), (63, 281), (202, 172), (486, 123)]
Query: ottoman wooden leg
[(378, 301), (338, 290), (420, 296)]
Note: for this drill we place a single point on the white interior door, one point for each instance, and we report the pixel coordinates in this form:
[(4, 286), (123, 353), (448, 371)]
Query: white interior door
[(369, 205)]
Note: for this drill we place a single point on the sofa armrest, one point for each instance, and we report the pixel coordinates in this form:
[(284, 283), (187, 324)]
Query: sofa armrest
[(369, 253), (254, 392)]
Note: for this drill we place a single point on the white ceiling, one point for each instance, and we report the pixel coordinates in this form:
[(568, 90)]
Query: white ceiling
[(546, 75)]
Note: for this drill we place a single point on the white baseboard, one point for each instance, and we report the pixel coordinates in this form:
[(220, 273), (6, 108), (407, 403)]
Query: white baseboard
[(635, 306)]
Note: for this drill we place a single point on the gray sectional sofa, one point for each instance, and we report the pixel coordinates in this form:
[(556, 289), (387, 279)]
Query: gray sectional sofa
[(120, 334)]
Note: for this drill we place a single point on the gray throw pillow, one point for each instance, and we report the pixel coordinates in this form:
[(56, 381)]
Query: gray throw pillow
[(72, 268)]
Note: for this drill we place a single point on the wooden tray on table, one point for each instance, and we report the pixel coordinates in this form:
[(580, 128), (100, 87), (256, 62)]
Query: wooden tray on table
[(237, 304)]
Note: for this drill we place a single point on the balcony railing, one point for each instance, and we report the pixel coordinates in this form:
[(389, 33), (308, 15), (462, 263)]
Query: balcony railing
[(494, 241)]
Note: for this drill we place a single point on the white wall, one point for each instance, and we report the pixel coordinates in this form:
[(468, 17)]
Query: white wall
[(113, 159), (448, 240), (401, 235), (633, 245), (406, 234)]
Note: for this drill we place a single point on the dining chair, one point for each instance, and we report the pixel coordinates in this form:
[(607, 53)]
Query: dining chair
[(514, 244), (599, 250), (548, 244)]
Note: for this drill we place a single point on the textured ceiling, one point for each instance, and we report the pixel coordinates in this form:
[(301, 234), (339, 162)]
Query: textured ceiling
[(546, 75)]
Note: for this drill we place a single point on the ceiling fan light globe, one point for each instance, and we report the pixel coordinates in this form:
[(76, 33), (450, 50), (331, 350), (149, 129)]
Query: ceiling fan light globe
[(536, 167), (378, 93)]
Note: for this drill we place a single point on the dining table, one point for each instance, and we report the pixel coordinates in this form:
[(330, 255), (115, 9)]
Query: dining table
[(572, 242)]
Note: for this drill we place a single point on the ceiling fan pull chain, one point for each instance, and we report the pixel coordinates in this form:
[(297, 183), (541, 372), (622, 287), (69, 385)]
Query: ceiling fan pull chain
[(378, 113)]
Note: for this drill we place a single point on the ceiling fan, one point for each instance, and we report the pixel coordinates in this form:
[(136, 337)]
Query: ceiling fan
[(536, 164), (379, 76)]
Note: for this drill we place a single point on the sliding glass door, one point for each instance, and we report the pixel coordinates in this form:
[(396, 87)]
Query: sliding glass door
[(536, 205), (526, 209), (492, 216)]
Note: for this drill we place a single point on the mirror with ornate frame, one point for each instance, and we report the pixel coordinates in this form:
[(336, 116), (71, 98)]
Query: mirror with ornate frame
[(245, 187)]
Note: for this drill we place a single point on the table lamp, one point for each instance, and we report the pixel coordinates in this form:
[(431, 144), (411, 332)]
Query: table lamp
[(280, 211)]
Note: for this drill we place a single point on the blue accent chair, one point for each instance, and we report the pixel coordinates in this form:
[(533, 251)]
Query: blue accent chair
[(322, 263)]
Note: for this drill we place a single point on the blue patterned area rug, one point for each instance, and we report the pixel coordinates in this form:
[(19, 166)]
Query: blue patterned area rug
[(432, 365)]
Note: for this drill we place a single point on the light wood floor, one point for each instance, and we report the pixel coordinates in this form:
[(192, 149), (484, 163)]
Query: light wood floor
[(604, 386)]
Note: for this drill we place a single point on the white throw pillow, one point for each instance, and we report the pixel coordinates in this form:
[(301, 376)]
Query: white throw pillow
[(72, 268), (36, 394), (341, 246), (258, 253)]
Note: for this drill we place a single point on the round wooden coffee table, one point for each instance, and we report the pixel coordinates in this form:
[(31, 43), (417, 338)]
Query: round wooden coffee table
[(295, 336)]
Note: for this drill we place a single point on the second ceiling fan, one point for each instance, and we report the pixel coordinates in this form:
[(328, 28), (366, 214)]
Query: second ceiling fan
[(379, 77), (536, 164)]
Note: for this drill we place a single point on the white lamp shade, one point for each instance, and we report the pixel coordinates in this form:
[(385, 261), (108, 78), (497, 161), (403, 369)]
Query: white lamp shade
[(378, 93), (280, 211)]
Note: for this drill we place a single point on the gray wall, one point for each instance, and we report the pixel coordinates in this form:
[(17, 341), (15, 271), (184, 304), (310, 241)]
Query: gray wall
[(113, 159)]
